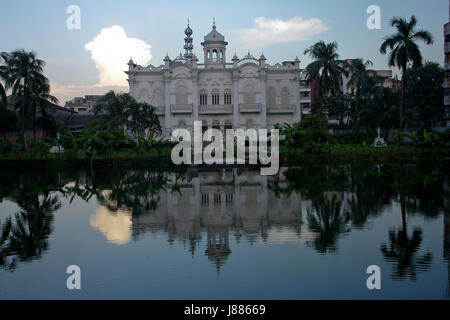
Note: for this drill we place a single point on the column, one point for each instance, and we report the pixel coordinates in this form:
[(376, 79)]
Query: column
[(235, 99), (167, 117), (263, 86), (297, 110), (195, 98)]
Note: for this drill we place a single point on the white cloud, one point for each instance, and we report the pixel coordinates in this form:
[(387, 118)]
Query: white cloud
[(68, 92), (270, 31), (111, 49)]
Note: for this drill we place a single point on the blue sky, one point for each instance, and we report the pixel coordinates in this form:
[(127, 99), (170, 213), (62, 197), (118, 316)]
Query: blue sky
[(41, 26)]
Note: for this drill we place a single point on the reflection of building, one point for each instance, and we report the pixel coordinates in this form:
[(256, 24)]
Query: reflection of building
[(245, 93), (447, 231), (220, 202)]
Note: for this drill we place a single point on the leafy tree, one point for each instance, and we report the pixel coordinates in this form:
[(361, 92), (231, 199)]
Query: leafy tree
[(142, 120), (424, 105), (403, 50)]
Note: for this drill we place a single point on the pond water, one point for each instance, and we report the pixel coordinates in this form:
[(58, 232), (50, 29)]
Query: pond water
[(308, 233)]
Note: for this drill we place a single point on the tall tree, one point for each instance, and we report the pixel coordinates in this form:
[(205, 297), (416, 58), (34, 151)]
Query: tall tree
[(424, 106), (22, 73), (112, 108), (326, 69), (359, 71), (3, 99), (41, 103), (403, 50)]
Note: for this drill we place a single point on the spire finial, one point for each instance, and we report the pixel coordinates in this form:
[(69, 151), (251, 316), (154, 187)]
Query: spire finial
[(188, 22), (214, 22)]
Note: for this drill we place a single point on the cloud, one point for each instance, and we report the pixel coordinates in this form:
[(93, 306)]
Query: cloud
[(270, 31), (111, 49), (68, 92)]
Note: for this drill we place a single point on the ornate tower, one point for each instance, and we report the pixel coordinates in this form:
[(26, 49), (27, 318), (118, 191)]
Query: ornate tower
[(214, 48), (188, 45)]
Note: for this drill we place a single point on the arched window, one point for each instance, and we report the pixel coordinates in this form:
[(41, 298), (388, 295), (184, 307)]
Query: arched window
[(249, 95), (215, 96), (158, 98), (203, 97), (181, 96), (271, 96), (285, 96), (208, 55), (227, 96), (214, 55), (143, 95)]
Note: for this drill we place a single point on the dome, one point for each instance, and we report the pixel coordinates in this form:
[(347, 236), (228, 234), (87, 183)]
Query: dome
[(188, 31), (214, 36)]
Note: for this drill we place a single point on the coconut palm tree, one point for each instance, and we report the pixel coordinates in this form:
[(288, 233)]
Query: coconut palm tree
[(41, 102), (22, 73), (112, 108), (3, 100), (403, 50), (326, 68), (359, 71)]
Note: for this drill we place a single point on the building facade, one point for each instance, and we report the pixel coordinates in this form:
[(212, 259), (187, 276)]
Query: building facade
[(83, 105), (243, 93)]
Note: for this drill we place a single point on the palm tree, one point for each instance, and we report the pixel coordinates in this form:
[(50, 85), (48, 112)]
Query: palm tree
[(359, 71), (403, 50), (3, 100), (41, 102), (22, 72), (112, 108), (326, 68)]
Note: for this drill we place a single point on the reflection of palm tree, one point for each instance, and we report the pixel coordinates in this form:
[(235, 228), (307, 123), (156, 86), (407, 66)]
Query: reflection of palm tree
[(328, 223), (6, 229), (27, 237), (402, 251)]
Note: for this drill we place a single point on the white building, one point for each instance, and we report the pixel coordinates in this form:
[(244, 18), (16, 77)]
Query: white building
[(245, 93)]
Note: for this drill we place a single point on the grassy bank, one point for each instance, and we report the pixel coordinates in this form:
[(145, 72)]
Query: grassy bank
[(161, 157)]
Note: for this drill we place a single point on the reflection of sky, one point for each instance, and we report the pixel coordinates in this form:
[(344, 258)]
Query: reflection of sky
[(114, 225)]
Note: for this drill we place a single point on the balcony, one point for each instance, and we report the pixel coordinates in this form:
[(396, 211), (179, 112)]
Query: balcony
[(305, 88), (279, 109), (305, 99), (181, 108), (216, 109), (250, 108)]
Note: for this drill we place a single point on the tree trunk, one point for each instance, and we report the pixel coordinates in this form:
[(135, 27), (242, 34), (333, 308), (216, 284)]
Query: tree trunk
[(402, 104), (34, 124), (24, 122)]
